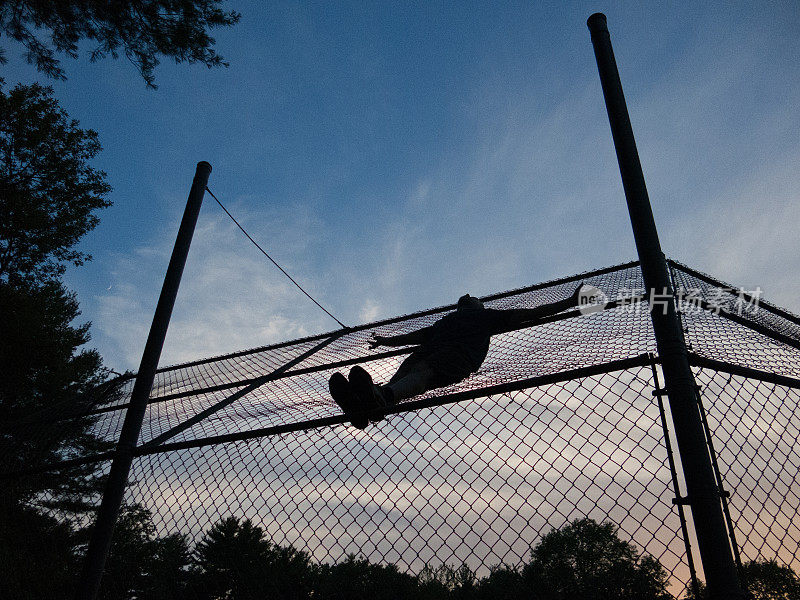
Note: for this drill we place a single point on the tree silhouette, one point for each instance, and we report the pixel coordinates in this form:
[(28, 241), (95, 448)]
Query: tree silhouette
[(143, 30), (37, 560), (445, 581), (588, 560), (765, 580), (49, 189), (358, 579), (236, 562), (582, 560), (502, 583), (142, 565), (48, 195), (168, 575)]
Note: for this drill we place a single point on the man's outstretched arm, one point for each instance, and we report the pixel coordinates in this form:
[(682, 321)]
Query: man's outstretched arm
[(518, 316), (406, 339)]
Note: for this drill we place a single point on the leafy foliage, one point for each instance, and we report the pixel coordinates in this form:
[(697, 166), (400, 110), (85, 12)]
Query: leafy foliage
[(48, 190), (237, 562), (37, 557), (142, 30), (141, 564), (765, 580), (48, 193), (446, 581), (169, 571), (45, 370), (588, 560), (358, 579), (234, 561), (502, 583)]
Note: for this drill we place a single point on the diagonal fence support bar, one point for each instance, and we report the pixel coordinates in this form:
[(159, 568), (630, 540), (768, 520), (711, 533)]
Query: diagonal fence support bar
[(504, 388), (704, 496), (658, 393), (422, 313), (336, 364), (725, 367), (100, 543), (413, 405), (283, 372), (243, 392), (766, 331), (762, 304)]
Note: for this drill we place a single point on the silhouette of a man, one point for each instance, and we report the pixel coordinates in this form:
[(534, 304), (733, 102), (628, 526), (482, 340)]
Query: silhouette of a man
[(448, 351)]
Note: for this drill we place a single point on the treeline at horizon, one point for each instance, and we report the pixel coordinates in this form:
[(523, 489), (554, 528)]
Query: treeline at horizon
[(40, 558)]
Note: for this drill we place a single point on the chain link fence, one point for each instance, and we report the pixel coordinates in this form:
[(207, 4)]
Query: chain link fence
[(560, 423)]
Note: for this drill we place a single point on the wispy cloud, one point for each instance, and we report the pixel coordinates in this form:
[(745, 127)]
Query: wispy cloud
[(230, 297), (720, 148)]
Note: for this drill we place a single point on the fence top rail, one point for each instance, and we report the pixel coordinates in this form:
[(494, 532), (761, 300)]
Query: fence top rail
[(98, 403), (388, 321)]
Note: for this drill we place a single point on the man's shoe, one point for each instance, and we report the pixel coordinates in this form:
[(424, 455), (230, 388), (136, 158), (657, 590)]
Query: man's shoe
[(343, 395), (367, 392)]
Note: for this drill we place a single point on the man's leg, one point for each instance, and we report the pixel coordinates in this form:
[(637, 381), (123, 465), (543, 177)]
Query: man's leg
[(412, 382), (411, 378), (415, 376), (420, 374)]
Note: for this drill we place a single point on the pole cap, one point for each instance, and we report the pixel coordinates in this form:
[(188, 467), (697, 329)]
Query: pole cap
[(205, 166), (597, 23)]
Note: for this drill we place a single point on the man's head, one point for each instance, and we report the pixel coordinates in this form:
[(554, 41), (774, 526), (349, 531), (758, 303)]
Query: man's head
[(467, 302)]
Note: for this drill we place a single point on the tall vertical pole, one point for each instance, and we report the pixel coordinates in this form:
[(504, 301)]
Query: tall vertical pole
[(703, 495), (100, 542)]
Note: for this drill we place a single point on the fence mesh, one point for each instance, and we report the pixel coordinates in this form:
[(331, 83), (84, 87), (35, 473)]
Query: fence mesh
[(560, 423)]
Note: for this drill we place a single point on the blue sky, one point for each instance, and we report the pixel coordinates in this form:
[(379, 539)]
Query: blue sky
[(395, 156)]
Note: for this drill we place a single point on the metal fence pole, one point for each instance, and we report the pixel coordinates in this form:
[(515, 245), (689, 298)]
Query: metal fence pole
[(103, 529), (703, 496)]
